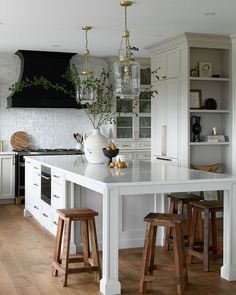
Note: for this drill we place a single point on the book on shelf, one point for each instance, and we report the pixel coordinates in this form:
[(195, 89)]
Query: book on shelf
[(215, 138)]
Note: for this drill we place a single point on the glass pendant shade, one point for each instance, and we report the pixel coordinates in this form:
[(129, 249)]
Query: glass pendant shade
[(87, 94), (126, 79), (126, 70)]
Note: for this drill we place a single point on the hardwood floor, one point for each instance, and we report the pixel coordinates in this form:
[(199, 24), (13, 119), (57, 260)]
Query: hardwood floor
[(25, 265)]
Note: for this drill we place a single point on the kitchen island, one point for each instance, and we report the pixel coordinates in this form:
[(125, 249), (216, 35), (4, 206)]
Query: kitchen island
[(144, 178)]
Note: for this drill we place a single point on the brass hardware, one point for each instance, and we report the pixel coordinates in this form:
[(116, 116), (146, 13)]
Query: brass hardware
[(35, 184), (86, 71), (126, 3), (36, 207), (164, 77), (36, 168), (55, 196), (54, 222), (56, 176), (45, 215)]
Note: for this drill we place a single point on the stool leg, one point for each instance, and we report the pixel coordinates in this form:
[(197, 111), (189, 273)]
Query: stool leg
[(200, 227), (146, 257), (190, 219), (213, 232), (94, 246), (152, 255), (57, 251), (85, 240), (192, 235), (179, 258), (206, 240), (180, 207), (168, 229), (65, 253)]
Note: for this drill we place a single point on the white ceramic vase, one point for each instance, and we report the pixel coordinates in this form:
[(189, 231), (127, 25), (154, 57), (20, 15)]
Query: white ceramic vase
[(93, 145)]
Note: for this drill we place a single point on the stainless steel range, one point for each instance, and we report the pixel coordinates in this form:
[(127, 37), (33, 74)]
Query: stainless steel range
[(20, 164)]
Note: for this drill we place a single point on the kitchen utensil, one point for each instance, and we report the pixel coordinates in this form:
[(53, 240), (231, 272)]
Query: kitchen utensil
[(20, 140)]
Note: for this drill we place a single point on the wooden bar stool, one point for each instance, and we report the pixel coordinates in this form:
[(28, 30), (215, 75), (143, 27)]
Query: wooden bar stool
[(179, 200), (90, 260), (174, 221), (209, 208)]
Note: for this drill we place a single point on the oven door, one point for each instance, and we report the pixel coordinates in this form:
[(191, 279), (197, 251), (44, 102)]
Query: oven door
[(46, 184)]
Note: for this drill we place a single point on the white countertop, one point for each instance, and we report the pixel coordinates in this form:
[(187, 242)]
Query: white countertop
[(7, 153), (138, 171)]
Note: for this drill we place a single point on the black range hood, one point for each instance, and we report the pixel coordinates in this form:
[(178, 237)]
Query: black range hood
[(51, 65)]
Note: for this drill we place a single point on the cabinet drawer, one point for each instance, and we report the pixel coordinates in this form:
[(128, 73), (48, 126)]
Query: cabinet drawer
[(46, 216), (57, 176), (143, 156), (57, 195), (126, 145), (144, 145), (36, 167), (54, 222)]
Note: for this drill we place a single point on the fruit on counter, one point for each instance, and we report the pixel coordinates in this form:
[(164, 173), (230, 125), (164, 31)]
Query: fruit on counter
[(112, 165), (118, 164), (111, 147)]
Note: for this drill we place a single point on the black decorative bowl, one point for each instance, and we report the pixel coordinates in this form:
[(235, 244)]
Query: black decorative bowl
[(110, 153)]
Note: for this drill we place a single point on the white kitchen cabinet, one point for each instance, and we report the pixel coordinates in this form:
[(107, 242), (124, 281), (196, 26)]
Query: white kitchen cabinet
[(166, 64), (165, 112), (7, 176)]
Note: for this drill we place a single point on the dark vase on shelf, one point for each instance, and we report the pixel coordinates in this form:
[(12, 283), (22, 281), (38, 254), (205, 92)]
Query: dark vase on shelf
[(196, 128)]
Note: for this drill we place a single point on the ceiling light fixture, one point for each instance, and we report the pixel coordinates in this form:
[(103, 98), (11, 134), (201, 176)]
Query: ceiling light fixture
[(126, 70), (87, 93)]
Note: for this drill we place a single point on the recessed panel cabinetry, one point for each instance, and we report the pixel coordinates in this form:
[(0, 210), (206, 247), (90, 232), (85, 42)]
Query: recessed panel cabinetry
[(7, 176), (165, 104)]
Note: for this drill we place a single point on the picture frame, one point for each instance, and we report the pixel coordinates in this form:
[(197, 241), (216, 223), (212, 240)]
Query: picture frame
[(195, 99), (205, 69)]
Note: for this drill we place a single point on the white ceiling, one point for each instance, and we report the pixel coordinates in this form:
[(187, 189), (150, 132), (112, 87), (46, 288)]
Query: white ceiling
[(42, 24)]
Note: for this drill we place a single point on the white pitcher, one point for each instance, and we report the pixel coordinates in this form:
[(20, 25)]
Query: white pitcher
[(93, 145)]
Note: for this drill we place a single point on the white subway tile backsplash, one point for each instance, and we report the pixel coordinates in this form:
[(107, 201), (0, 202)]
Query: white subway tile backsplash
[(48, 128)]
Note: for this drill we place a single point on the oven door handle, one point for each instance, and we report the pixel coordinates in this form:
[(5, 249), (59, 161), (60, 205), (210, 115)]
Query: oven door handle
[(45, 177)]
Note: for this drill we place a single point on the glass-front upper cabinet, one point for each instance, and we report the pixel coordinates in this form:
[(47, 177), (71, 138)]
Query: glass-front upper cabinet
[(134, 116)]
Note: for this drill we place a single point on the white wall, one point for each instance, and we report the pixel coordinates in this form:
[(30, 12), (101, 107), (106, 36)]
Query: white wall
[(49, 128)]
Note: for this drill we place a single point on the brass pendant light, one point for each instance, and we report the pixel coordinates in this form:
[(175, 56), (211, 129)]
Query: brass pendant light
[(87, 93), (126, 70)]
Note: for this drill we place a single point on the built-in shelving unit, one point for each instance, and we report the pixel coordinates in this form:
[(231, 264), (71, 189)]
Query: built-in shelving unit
[(203, 152), (208, 143), (209, 111)]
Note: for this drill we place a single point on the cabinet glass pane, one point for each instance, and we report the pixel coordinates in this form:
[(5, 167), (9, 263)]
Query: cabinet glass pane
[(145, 76), (145, 106), (124, 122), (124, 106), (124, 132), (144, 132), (145, 122), (145, 95)]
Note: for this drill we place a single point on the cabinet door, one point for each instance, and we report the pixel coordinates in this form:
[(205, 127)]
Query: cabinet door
[(172, 117), (159, 64), (7, 177), (166, 64), (158, 117)]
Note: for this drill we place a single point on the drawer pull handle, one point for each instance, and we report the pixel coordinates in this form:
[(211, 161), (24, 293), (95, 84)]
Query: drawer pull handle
[(28, 162), (55, 196), (35, 184), (125, 145), (45, 215), (54, 222), (56, 176), (164, 77), (36, 207), (36, 168)]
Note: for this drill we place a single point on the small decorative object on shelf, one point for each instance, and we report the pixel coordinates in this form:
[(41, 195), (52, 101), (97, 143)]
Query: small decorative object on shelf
[(194, 72), (205, 69), (196, 128), (195, 99), (215, 138), (210, 104)]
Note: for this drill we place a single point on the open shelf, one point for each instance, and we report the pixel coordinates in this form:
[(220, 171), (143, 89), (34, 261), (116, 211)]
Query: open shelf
[(208, 143), (209, 79), (209, 111)]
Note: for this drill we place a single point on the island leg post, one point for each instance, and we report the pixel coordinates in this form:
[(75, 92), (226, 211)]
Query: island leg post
[(109, 284)]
